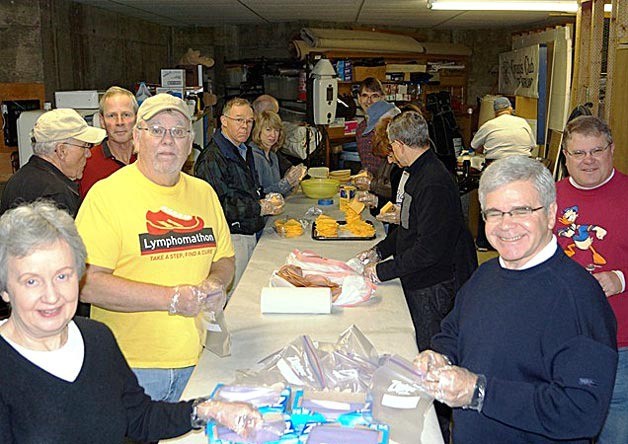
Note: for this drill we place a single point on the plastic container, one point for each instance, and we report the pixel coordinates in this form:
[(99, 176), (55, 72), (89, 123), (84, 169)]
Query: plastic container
[(320, 188), (318, 172)]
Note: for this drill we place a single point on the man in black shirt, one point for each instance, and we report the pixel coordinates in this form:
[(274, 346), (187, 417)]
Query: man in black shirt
[(62, 140)]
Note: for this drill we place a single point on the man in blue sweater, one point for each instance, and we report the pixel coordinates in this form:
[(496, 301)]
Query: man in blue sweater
[(528, 351)]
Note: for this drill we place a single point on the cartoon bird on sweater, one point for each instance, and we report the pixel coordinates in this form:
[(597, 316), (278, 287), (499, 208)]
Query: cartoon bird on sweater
[(583, 236)]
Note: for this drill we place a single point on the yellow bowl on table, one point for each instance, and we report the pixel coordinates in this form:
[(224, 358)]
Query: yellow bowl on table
[(320, 188)]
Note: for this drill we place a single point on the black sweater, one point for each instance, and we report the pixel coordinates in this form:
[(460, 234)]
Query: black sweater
[(431, 221), (102, 405), (545, 340)]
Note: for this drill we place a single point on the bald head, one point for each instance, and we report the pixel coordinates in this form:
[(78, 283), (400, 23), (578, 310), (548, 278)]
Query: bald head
[(265, 103)]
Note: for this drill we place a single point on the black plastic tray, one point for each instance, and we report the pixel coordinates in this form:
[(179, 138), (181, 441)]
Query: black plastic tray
[(315, 235)]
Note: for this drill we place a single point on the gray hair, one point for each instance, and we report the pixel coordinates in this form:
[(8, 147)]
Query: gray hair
[(117, 91), (410, 128), (518, 168), (587, 126), (46, 148), (37, 225)]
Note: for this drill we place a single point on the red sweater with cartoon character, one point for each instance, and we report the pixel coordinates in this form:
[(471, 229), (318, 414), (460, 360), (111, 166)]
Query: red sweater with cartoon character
[(592, 228)]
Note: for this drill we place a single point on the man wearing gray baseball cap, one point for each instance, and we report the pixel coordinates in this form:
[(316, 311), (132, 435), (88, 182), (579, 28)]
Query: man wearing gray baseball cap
[(61, 143)]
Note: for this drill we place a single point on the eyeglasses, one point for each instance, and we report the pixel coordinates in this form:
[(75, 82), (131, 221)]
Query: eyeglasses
[(494, 215), (371, 96), (176, 132), (580, 155), (87, 147), (240, 121)]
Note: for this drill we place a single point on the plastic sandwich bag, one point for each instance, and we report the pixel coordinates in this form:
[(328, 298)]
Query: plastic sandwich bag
[(356, 289), (398, 395)]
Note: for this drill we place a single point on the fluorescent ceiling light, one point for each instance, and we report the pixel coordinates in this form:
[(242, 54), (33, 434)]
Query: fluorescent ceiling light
[(514, 5)]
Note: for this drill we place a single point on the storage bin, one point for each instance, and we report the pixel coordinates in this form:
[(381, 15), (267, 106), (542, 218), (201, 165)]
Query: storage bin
[(281, 87)]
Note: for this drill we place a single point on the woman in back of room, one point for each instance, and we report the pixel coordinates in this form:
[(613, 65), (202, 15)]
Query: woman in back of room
[(268, 136), (65, 380)]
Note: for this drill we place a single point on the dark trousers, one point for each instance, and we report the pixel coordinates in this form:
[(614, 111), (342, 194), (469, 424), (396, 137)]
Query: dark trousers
[(428, 306)]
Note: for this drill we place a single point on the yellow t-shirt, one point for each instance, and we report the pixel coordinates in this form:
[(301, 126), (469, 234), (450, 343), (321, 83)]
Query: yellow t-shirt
[(159, 235)]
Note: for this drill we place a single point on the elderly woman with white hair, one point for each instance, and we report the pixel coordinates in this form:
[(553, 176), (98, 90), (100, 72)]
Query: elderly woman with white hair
[(65, 380)]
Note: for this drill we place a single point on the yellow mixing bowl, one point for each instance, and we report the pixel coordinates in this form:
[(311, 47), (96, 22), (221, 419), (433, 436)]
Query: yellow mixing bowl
[(320, 188)]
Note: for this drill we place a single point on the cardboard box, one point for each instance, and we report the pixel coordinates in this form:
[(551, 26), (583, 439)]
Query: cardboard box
[(362, 72), (173, 78), (177, 92), (351, 126)]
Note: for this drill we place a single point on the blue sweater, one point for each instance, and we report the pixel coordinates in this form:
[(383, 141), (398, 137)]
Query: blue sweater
[(545, 340)]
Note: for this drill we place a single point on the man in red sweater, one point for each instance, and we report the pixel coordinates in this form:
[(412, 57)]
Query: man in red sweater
[(118, 109), (590, 226)]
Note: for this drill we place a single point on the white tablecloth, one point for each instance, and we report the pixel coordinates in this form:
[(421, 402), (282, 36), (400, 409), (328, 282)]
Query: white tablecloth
[(385, 321)]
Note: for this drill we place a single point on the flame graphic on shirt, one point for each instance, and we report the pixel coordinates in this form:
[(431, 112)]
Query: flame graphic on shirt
[(166, 220)]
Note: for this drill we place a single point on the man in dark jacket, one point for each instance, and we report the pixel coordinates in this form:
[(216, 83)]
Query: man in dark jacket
[(62, 142), (227, 164), (423, 246)]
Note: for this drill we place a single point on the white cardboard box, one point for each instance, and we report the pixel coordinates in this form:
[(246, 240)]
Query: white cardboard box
[(173, 78), (77, 99), (296, 300)]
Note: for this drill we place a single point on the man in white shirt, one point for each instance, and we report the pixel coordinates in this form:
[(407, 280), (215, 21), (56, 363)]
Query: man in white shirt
[(505, 135)]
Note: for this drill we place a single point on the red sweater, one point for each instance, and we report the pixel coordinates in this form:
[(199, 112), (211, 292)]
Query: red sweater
[(593, 221)]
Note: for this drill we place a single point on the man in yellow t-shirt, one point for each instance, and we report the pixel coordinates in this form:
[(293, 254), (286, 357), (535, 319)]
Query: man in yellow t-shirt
[(159, 251)]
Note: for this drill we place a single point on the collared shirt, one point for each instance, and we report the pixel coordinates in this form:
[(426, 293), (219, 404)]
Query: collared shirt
[(241, 147), (101, 164), (540, 257)]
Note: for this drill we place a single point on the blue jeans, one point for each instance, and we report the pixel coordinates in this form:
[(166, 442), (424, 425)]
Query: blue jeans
[(615, 430), (163, 384)]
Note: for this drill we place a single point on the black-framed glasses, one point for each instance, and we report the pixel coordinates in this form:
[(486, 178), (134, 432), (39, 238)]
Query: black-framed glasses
[(241, 121), (581, 154), (493, 215), (176, 132)]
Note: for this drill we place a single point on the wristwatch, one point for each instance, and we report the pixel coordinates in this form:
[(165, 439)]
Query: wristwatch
[(477, 401)]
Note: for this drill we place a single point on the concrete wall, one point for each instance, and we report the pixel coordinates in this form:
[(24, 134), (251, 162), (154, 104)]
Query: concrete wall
[(20, 41), (89, 48), (67, 45)]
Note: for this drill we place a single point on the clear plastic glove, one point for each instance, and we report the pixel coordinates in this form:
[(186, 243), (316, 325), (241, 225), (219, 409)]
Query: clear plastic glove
[(184, 301), (452, 385), (368, 256), (272, 204), (609, 281), (428, 360), (368, 199), (392, 216), (362, 180), (241, 417), (212, 295), (370, 272), (295, 174)]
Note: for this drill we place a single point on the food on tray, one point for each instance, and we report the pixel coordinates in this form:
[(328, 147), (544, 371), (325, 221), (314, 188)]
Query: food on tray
[(356, 205), (356, 225), (294, 275), (289, 228), (326, 226), (388, 208)]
